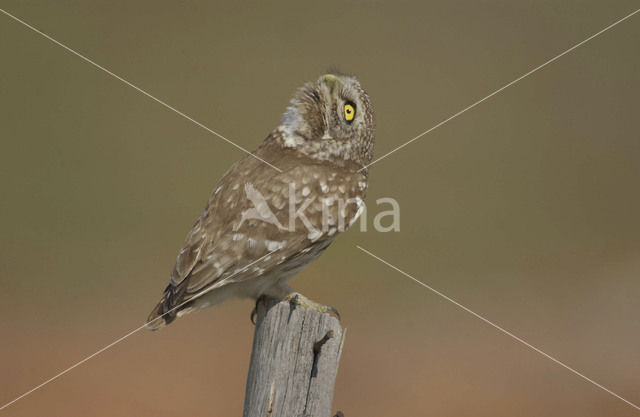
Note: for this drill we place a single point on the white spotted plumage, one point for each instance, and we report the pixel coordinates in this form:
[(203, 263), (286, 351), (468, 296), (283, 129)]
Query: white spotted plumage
[(244, 243)]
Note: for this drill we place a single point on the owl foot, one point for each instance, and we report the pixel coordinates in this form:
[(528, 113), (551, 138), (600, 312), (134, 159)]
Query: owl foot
[(254, 312), (297, 299)]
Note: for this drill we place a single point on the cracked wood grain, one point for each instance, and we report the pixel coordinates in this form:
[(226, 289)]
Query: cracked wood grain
[(294, 362)]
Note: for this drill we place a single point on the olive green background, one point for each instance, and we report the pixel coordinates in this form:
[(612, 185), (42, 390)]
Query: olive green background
[(524, 209)]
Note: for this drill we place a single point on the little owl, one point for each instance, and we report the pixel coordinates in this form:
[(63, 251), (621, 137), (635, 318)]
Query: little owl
[(278, 208)]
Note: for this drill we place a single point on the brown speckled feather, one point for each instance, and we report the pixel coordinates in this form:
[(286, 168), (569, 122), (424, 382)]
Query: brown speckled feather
[(228, 246)]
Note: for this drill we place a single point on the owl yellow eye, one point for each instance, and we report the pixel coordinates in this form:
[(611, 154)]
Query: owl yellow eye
[(349, 112)]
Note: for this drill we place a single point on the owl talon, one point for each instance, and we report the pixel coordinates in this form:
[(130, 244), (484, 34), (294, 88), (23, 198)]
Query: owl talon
[(297, 299), (333, 312), (254, 312)]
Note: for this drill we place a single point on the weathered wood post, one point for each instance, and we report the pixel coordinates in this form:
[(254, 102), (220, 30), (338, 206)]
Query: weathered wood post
[(294, 362)]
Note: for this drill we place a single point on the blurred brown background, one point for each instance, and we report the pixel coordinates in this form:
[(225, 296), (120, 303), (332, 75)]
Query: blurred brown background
[(525, 209)]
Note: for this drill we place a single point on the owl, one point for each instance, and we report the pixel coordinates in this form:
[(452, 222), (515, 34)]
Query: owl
[(278, 208)]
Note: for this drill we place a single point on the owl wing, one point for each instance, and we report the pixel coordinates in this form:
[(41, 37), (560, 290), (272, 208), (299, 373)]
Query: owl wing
[(245, 230)]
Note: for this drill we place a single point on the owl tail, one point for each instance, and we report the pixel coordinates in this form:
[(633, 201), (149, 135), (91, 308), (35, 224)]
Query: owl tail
[(165, 311)]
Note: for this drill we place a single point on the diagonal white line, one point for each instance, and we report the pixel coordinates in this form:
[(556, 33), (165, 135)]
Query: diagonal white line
[(508, 333), (138, 89), (500, 89), (364, 250), (131, 333)]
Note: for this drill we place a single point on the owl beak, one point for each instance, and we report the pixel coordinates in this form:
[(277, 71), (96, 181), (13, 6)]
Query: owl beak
[(330, 80)]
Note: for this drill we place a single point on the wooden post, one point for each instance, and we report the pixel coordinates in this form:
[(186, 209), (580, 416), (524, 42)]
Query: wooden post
[(294, 362)]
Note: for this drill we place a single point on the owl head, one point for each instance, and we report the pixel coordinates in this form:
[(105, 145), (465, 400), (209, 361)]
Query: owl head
[(331, 119)]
